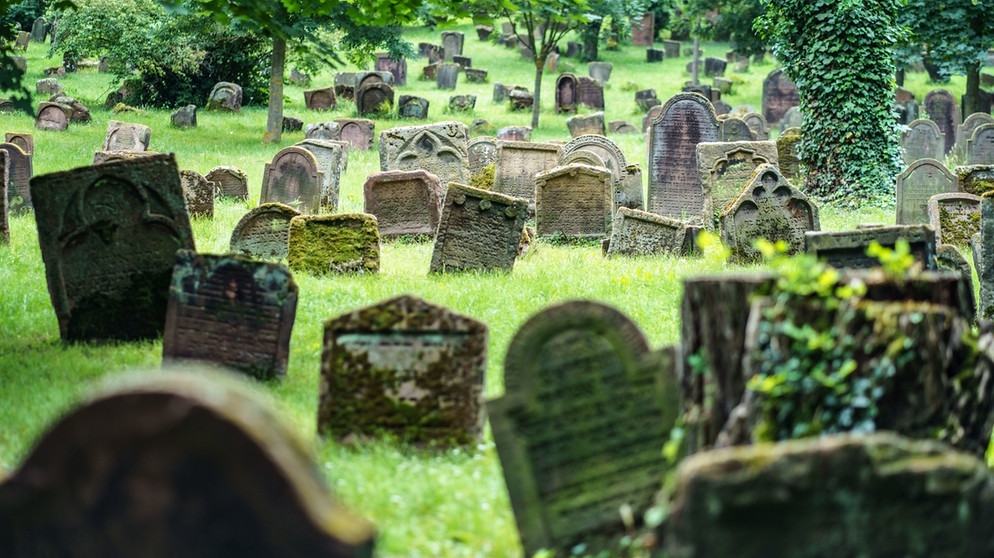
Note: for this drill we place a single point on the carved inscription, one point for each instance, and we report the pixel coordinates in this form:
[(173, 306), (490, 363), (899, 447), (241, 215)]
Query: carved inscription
[(293, 178), (437, 148), (675, 188), (264, 232), (847, 249), (919, 182), (403, 202), (517, 164), (19, 169), (574, 200)]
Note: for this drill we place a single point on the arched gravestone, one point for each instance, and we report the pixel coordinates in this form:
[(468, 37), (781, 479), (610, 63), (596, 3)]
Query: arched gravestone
[(922, 140), (363, 79), (437, 148), (517, 164), (293, 178), (964, 132), (25, 141), (941, 107), (329, 155), (410, 106), (675, 188), (577, 376), (583, 157), (916, 184), (758, 125), (124, 136), (199, 194), (734, 129), (264, 232), (231, 181), (225, 96), (358, 132), (374, 99), (627, 178), (725, 168), (184, 463), (19, 170), (574, 200), (452, 43), (768, 207), (481, 152), (53, 116), (108, 236), (793, 118), (779, 94), (403, 202), (980, 147), (566, 92), (321, 99)]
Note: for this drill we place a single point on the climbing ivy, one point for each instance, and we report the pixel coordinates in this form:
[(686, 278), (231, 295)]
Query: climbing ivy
[(840, 55)]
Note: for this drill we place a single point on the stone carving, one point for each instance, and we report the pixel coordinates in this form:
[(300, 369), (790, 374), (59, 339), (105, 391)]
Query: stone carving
[(779, 94), (922, 140), (941, 107), (980, 148), (725, 168), (329, 155), (403, 202), (437, 148), (517, 164), (639, 233), (293, 178), (231, 182), (344, 243), (357, 132), (479, 230), (374, 99), (919, 182), (481, 152), (757, 124), (731, 129), (225, 97), (955, 217), (574, 200), (321, 99), (847, 249), (124, 136), (323, 130), (264, 232)]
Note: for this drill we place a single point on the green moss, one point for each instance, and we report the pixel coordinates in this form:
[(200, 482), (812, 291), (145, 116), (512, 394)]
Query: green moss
[(347, 243), (484, 179)]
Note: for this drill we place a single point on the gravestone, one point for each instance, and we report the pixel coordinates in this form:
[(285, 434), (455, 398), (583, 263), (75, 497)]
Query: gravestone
[(779, 94), (446, 76), (481, 152), (964, 132), (627, 179), (922, 140), (407, 202), (955, 217), (18, 170), (520, 99), (726, 168), (124, 136), (384, 63), (515, 133), (21, 62), (481, 127), (653, 113), (644, 30), (790, 159), (404, 367), (22, 40), (232, 311), (432, 52), (975, 179), (357, 132), (646, 99), (345, 85), (916, 184), (25, 141), (941, 107), (48, 86), (985, 263), (675, 188), (437, 148), (847, 249), (78, 111), (343, 243), (299, 78), (231, 182), (980, 148), (622, 127), (552, 63), (574, 200), (653, 55), (6, 106), (672, 49), (517, 164), (475, 75), (757, 124), (198, 193), (479, 230), (714, 67), (264, 232), (53, 116), (374, 99), (586, 124), (566, 93), (463, 62), (452, 42), (574, 375), (4, 217), (600, 71), (225, 97), (462, 103), (724, 86), (329, 155), (430, 72), (101, 157), (410, 106), (293, 178), (590, 92), (733, 129), (368, 78), (184, 117), (39, 30), (483, 32), (320, 99), (108, 235), (322, 130), (639, 233), (768, 207), (793, 118)]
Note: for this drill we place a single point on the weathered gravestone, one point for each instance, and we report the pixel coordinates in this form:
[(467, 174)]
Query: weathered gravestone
[(4, 218), (922, 140), (225, 97), (653, 55), (321, 99), (517, 164), (184, 117), (639, 233), (462, 103), (475, 75), (78, 111), (437, 148), (412, 107), (515, 133), (481, 152), (374, 99), (964, 132), (586, 124), (520, 99), (384, 63), (955, 217), (39, 30), (292, 124), (322, 130), (757, 124), (329, 155), (672, 49), (430, 72), (357, 132), (19, 168), (479, 230), (725, 168), (184, 463), (734, 129), (53, 116), (793, 118), (622, 127), (452, 42), (941, 107), (590, 92), (787, 153), (124, 136), (980, 148), (724, 86), (714, 67), (975, 179), (231, 182), (198, 193), (463, 61), (575, 375), (264, 232), (232, 311), (627, 178), (600, 71), (847, 249), (25, 141), (905, 105), (6, 106), (430, 51), (22, 40), (48, 86), (768, 207), (675, 188), (916, 184), (293, 178), (574, 200), (345, 85), (985, 263), (344, 243), (101, 157), (567, 92), (644, 30), (646, 99), (404, 202), (404, 367), (446, 76), (779, 94), (108, 236)]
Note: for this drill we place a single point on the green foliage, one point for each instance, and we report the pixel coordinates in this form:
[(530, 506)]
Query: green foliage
[(13, 15), (736, 22), (23, 14), (839, 53), (954, 34)]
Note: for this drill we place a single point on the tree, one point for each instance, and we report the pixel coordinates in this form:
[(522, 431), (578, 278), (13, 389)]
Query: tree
[(736, 22), (11, 76), (620, 13)]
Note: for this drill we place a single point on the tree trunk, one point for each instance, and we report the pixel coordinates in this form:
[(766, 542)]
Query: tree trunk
[(899, 78), (696, 63), (274, 120), (539, 68), (972, 96), (590, 35)]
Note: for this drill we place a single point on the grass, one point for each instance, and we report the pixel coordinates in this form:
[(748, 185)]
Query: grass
[(424, 503)]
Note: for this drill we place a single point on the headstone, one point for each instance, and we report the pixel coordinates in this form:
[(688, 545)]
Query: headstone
[(520, 99), (790, 159), (483, 32), (463, 62), (793, 118), (293, 178), (644, 30), (646, 99), (675, 188), (329, 155), (573, 49), (53, 116), (357, 132), (552, 63), (298, 78), (185, 117), (108, 236), (22, 40), (600, 71), (446, 76), (964, 132), (653, 113), (410, 106), (481, 152), (320, 99), (481, 127), (407, 202), (733, 129), (322, 130), (517, 164), (79, 112), (847, 249), (264, 232), (437, 148), (462, 103), (714, 67), (452, 42), (980, 148), (567, 93), (515, 133), (955, 217), (723, 85), (985, 263), (101, 157), (700, 89), (479, 230), (291, 124), (345, 85), (198, 193), (430, 51), (124, 136), (627, 178), (726, 168), (25, 141), (639, 233), (975, 179), (941, 107), (225, 97), (672, 49), (622, 127), (500, 92), (230, 182), (403, 367), (21, 63), (922, 140), (475, 75), (336, 244), (779, 94), (757, 124), (18, 170), (574, 375), (384, 63), (48, 86), (574, 201), (590, 92), (584, 124), (653, 55), (920, 181), (39, 30), (232, 311), (374, 99)]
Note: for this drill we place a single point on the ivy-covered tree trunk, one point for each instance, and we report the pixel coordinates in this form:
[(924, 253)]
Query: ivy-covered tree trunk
[(274, 119), (590, 35)]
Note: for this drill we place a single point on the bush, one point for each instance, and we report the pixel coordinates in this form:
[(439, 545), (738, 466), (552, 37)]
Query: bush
[(22, 15)]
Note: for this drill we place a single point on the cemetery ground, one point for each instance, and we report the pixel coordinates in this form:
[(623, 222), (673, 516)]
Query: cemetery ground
[(424, 503)]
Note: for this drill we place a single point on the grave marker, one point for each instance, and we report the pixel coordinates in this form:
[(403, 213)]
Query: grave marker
[(53, 116), (322, 130), (25, 141), (329, 155), (779, 94), (731, 129), (922, 140), (479, 230), (412, 107), (639, 233), (847, 249), (19, 168), (264, 232), (357, 132), (344, 243), (438, 148), (757, 124), (184, 117), (403, 202), (225, 96), (231, 181), (672, 49), (124, 136), (941, 107), (590, 92), (964, 132), (980, 148), (398, 68), (481, 152), (600, 71), (293, 178), (345, 85), (586, 124), (4, 218), (975, 179), (955, 217), (517, 164), (446, 75), (644, 30), (574, 200), (198, 193), (916, 184), (374, 99), (566, 93), (725, 168), (627, 178), (452, 42), (320, 99)]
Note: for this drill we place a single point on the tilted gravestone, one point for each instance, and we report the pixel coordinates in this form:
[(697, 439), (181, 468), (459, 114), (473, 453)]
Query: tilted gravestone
[(345, 85), (198, 193), (25, 141), (412, 107), (575, 374), (293, 178), (452, 42), (600, 71), (48, 86), (177, 463), (101, 157), (714, 67), (675, 188), (430, 51), (264, 232), (964, 132), (479, 230), (567, 93), (321, 99), (980, 147), (108, 236), (78, 111), (779, 94), (374, 99), (770, 208), (922, 140), (343, 243), (941, 107), (475, 75), (184, 117), (124, 136), (403, 202), (916, 184), (847, 249), (517, 164), (225, 96), (734, 129), (232, 311), (757, 124), (363, 79), (955, 217), (437, 148), (358, 132), (19, 168), (627, 178), (726, 167), (384, 63), (404, 367), (590, 92), (329, 155), (574, 200), (586, 124), (53, 116), (231, 182), (447, 75), (323, 130), (4, 218), (639, 233)]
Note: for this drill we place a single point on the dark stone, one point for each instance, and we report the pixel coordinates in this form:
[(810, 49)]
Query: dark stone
[(357, 132), (462, 103), (398, 68), (412, 107), (225, 97), (229, 182), (293, 178), (941, 107), (779, 94), (321, 99), (654, 55), (185, 117), (374, 99), (291, 124), (403, 202)]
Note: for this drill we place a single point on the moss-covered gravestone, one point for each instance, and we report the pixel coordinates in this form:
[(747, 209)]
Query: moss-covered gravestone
[(109, 235), (916, 184), (345, 243), (264, 232), (406, 368), (725, 168), (232, 311), (125, 136), (229, 182), (640, 233), (479, 230), (403, 202), (955, 217), (847, 249), (174, 464), (579, 430), (574, 201), (199, 194), (293, 178)]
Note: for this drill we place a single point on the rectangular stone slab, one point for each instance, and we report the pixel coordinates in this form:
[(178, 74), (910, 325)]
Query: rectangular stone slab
[(847, 249)]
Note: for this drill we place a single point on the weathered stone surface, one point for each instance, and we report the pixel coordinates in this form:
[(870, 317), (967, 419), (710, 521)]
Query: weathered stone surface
[(975, 179), (985, 263), (430, 51), (463, 61), (627, 178), (725, 168), (481, 152), (646, 99), (447, 75), (344, 243), (438, 148), (124, 136), (231, 182), (79, 112), (622, 127), (323, 130), (329, 155), (410, 106), (232, 311), (374, 99), (941, 107), (101, 157), (53, 116), (964, 132), (358, 132), (515, 133), (345, 85), (644, 30), (25, 141), (723, 85), (452, 42), (404, 202), (48, 86), (793, 118), (39, 30), (980, 147), (520, 99), (264, 232), (586, 124), (590, 93), (185, 463), (320, 99), (949, 258), (639, 233), (779, 94), (575, 374), (757, 124), (198, 193), (4, 220), (574, 200), (517, 164), (19, 168), (184, 117), (479, 230), (225, 97), (955, 217), (922, 140), (672, 49), (462, 103), (916, 184), (291, 124), (600, 71), (475, 75), (108, 236), (790, 159), (714, 67), (567, 92), (847, 249), (734, 129), (403, 367), (396, 67), (293, 178)]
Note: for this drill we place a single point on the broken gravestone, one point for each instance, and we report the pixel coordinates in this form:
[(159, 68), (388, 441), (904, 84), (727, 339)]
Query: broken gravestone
[(517, 164), (225, 97), (639, 233), (437, 148), (922, 140), (231, 182), (916, 184), (479, 230), (847, 249), (293, 178), (264, 232), (124, 136), (344, 243), (403, 202), (574, 201), (725, 168), (955, 217)]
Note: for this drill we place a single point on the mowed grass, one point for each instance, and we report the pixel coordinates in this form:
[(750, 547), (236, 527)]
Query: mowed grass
[(425, 503)]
